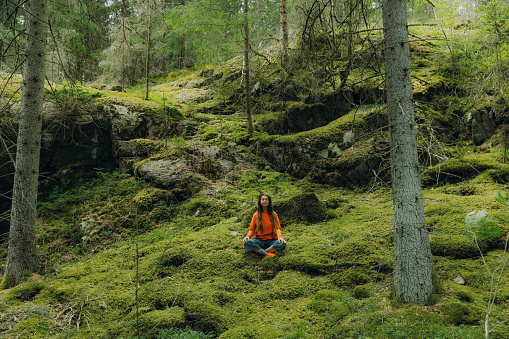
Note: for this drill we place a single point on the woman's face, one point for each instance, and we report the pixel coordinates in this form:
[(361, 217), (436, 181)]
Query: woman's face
[(264, 201)]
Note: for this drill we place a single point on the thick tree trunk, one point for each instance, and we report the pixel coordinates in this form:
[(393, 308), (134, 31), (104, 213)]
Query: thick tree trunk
[(284, 33), (413, 267), (22, 255), (246, 69)]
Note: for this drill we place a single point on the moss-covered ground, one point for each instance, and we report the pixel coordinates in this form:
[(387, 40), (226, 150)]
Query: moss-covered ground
[(122, 259), (156, 265)]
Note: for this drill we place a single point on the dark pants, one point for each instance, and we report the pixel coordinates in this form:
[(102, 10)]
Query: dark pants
[(255, 244)]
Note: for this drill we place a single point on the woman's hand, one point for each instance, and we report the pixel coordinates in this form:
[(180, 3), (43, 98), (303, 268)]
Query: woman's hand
[(246, 239), (281, 240)]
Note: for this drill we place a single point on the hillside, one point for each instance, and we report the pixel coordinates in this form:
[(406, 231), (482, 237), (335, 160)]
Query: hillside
[(144, 205)]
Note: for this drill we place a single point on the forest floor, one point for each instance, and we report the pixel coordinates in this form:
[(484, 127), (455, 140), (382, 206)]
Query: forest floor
[(122, 259)]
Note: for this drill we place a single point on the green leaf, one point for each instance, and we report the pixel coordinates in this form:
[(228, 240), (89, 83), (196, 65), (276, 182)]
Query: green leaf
[(487, 232), (481, 225), (500, 198)]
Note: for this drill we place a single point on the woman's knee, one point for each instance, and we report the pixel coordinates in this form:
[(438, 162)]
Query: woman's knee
[(251, 245), (279, 245)]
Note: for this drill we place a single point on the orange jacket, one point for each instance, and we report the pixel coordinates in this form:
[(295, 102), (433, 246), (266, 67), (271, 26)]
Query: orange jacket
[(266, 227)]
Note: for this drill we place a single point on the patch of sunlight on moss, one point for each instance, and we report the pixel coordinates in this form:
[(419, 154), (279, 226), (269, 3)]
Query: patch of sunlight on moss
[(489, 166), (277, 185), (337, 128), (140, 105), (11, 86)]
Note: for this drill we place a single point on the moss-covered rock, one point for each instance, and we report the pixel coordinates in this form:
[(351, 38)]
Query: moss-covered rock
[(454, 246), (150, 196), (26, 291), (302, 208), (351, 277), (458, 313), (362, 291), (468, 167)]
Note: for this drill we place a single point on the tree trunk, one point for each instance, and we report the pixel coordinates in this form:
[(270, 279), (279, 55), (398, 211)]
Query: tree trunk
[(284, 33), (3, 9), (22, 255), (149, 42), (413, 266), (246, 70), (123, 14), (182, 57)]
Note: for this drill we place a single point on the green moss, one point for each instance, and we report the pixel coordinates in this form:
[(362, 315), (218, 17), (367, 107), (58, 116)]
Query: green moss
[(302, 208), (32, 328), (327, 302), (351, 277), (356, 251), (458, 313), (456, 170), (291, 285), (5, 284), (335, 130), (362, 292), (151, 321), (304, 262), (148, 197), (464, 296), (140, 147), (209, 133), (26, 291), (455, 246), (205, 316), (328, 295), (252, 332), (275, 184)]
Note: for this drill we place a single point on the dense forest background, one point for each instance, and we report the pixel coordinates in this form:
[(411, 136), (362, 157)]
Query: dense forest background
[(150, 172), (107, 41)]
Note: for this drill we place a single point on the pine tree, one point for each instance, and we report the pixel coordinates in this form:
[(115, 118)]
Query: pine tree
[(413, 266), (22, 256)]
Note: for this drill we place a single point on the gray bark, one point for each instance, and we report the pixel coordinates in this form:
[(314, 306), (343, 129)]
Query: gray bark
[(149, 42), (246, 69), (284, 33), (3, 9), (413, 266), (22, 256)]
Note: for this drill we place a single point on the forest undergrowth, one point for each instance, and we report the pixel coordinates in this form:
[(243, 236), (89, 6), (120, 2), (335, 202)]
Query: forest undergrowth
[(192, 273), (121, 258)]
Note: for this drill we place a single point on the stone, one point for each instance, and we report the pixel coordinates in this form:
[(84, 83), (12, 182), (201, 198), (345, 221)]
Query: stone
[(459, 280)]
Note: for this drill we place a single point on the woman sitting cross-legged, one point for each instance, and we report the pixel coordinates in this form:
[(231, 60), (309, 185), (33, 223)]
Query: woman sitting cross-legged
[(266, 228)]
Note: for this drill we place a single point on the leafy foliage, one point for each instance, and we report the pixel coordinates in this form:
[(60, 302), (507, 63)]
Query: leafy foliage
[(481, 225)]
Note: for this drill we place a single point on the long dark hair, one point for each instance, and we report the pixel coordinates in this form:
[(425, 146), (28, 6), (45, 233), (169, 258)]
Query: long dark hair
[(270, 210)]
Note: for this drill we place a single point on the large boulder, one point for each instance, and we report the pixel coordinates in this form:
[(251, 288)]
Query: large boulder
[(80, 139), (174, 175), (302, 208), (483, 123)]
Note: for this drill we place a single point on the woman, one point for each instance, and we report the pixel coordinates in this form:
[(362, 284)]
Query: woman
[(266, 228)]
